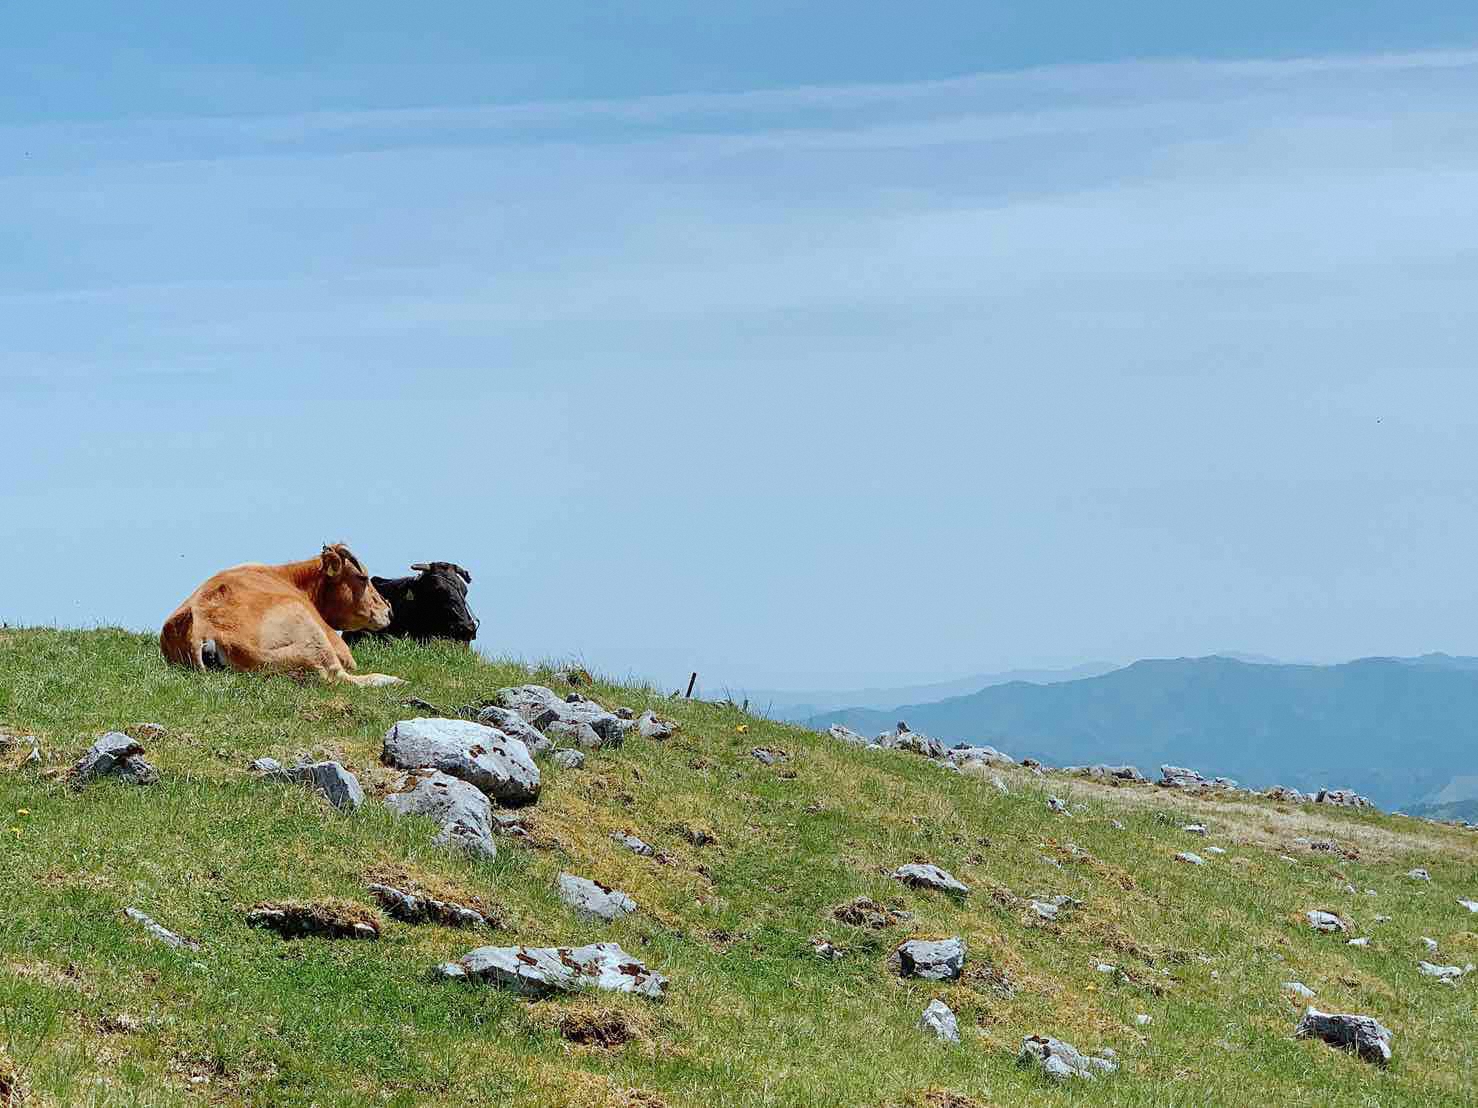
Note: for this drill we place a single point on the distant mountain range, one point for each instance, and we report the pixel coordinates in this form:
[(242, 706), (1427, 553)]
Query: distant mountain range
[(798, 705), (1403, 731)]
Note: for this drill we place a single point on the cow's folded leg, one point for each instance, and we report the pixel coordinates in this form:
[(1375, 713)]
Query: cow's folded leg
[(370, 680)]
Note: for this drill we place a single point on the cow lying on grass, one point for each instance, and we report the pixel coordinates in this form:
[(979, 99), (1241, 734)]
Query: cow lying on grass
[(431, 605), (280, 619)]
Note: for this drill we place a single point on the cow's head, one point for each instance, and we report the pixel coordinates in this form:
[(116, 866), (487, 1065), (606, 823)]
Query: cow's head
[(436, 602), (347, 599)]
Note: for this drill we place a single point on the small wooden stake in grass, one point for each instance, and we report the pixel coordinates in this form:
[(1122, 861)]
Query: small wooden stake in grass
[(693, 680)]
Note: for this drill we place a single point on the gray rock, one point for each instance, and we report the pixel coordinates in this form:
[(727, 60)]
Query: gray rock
[(1299, 989), (1060, 1060), (540, 971), (1057, 804), (1429, 942), (940, 1021), (1419, 875), (546, 710), (497, 763), (1327, 922), (912, 741), (940, 960), (1143, 1019), (115, 754), (1215, 850), (1194, 828), (1362, 1034), (1446, 974), (847, 735), (413, 908), (923, 875), (1178, 777), (1343, 798), (268, 767), (1470, 905), (649, 725), (335, 782), (632, 843), (768, 756), (510, 722), (163, 934), (1190, 858), (1358, 942), (462, 810), (568, 759), (594, 900)]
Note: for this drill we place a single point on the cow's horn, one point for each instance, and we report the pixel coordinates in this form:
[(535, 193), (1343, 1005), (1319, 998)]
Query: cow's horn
[(421, 567)]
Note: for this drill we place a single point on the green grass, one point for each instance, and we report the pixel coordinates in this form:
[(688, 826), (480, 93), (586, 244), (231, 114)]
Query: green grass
[(94, 1012)]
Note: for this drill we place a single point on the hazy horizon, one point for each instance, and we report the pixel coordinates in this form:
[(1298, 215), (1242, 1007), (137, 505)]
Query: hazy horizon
[(976, 340)]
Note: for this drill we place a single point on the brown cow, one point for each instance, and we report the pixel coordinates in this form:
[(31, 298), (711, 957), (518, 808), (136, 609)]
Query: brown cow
[(281, 619)]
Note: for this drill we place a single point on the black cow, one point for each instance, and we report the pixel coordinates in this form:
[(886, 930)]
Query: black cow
[(431, 605)]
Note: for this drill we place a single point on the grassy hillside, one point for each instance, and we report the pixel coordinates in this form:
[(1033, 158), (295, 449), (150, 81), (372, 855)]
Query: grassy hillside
[(92, 1011), (1395, 730)]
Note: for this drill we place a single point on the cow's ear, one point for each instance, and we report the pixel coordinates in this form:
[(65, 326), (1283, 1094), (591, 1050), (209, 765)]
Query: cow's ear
[(462, 573), (332, 562)]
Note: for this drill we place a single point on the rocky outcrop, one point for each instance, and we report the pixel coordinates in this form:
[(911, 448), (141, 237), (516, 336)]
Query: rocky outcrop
[(574, 718), (541, 971), (497, 763)]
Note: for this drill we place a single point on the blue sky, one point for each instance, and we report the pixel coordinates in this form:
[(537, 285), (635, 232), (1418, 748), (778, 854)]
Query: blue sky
[(806, 347)]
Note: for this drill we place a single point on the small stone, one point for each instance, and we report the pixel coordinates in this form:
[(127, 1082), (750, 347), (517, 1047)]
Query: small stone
[(1419, 875), (268, 767), (652, 726), (1358, 942), (1104, 967), (1060, 1060), (1191, 858), (632, 843), (1117, 825), (1429, 942), (940, 960), (1194, 828), (1057, 804), (1327, 922), (767, 756), (569, 759), (1299, 989), (1362, 1034), (1214, 850), (923, 875), (939, 1020), (330, 778), (592, 899), (1143, 1019), (1470, 905), (846, 735), (825, 950), (163, 934), (510, 824)]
